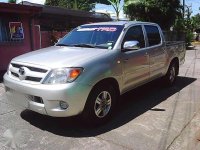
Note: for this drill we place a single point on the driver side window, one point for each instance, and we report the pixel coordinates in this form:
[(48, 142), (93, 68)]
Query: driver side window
[(135, 33)]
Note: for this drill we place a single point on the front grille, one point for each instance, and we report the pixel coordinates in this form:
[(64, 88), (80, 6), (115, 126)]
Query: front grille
[(28, 78), (32, 74), (30, 68), (35, 79), (15, 74)]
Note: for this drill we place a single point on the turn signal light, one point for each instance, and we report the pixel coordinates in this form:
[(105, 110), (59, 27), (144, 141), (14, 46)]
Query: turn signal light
[(74, 73)]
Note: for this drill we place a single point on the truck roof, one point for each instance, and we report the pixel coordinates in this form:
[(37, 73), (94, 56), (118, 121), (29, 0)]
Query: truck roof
[(125, 23)]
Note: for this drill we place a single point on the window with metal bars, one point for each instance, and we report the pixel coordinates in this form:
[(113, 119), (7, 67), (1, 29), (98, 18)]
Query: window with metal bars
[(4, 31), (5, 35)]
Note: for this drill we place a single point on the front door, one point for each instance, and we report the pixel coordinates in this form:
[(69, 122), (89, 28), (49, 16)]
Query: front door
[(136, 62)]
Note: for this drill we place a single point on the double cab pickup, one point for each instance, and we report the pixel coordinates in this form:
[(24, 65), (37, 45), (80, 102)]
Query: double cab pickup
[(90, 67)]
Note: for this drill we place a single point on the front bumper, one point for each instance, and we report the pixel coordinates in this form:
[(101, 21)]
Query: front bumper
[(75, 94)]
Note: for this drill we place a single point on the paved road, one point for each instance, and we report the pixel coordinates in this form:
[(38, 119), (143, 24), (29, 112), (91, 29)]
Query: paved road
[(151, 117)]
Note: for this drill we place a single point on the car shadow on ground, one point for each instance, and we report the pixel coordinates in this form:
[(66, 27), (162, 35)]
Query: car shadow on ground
[(132, 105)]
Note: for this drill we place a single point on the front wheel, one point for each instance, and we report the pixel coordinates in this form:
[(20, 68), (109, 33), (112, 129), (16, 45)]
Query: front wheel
[(100, 105)]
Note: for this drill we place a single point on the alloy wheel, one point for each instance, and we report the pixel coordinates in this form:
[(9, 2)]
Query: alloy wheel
[(102, 104)]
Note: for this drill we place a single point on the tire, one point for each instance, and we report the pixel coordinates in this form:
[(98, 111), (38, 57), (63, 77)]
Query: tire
[(100, 105), (171, 75)]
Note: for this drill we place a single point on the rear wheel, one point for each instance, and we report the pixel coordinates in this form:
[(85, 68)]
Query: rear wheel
[(100, 105), (171, 75)]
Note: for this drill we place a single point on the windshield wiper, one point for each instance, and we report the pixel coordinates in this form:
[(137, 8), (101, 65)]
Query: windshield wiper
[(61, 44), (84, 45)]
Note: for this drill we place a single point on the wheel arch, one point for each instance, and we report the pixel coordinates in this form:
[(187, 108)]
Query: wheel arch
[(104, 82), (111, 81)]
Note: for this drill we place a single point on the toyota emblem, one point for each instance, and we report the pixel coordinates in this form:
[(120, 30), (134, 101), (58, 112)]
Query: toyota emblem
[(21, 71)]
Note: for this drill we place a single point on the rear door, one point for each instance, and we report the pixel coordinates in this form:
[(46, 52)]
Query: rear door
[(135, 62), (156, 51)]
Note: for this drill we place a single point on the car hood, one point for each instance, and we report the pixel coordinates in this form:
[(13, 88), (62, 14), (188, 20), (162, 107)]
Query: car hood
[(60, 56)]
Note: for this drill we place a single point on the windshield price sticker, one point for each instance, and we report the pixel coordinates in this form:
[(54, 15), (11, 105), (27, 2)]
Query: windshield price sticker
[(106, 29)]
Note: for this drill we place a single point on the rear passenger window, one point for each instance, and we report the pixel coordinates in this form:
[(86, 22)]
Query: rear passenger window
[(153, 35), (135, 33)]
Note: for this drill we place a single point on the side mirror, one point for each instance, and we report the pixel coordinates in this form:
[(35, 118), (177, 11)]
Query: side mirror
[(131, 45), (58, 41)]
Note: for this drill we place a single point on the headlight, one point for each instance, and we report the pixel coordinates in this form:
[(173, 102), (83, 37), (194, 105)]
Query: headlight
[(63, 75)]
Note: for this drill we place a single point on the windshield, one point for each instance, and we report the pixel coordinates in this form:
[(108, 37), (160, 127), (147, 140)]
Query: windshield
[(101, 36)]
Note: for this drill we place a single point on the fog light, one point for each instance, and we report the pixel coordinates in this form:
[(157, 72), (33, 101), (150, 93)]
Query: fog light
[(63, 105)]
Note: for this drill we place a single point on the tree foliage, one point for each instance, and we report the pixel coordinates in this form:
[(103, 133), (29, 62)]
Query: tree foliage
[(12, 1), (114, 3), (52, 2), (188, 24), (72, 4), (163, 12), (196, 21), (106, 2), (84, 4)]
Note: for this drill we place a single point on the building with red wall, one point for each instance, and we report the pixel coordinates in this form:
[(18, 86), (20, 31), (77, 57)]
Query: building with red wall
[(10, 48), (40, 24)]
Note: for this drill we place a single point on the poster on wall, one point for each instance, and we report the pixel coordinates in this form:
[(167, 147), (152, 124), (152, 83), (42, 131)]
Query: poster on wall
[(16, 30)]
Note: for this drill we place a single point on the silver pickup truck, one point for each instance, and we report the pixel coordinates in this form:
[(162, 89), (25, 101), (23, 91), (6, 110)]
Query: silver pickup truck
[(89, 68)]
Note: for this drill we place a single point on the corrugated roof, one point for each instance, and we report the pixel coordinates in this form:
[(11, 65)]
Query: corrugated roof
[(14, 8), (69, 12)]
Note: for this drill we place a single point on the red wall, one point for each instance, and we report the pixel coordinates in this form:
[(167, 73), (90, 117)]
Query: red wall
[(47, 35), (10, 50), (46, 39), (36, 37)]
